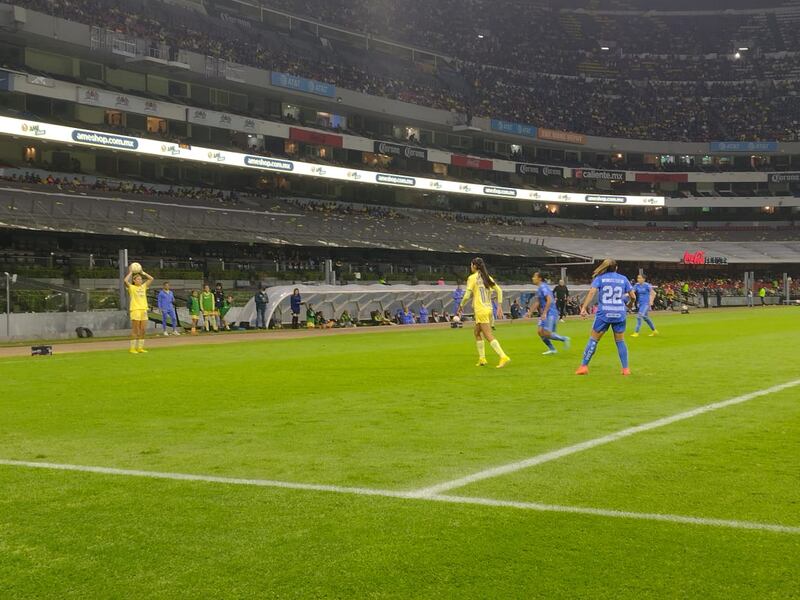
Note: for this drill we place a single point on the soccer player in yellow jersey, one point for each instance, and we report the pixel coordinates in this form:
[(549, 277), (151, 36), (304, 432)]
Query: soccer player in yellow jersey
[(480, 287), (137, 295)]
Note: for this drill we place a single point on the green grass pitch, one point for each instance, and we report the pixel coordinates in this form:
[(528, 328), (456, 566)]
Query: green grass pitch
[(402, 410)]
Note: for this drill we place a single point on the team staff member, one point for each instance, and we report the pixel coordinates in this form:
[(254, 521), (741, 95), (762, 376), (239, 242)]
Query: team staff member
[(226, 306), (137, 295), (458, 296), (261, 300), (423, 314), (166, 304), (295, 301), (208, 306), (562, 293), (219, 300), (194, 310)]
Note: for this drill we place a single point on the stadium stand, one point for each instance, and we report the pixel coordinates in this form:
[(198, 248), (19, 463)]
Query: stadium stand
[(586, 70)]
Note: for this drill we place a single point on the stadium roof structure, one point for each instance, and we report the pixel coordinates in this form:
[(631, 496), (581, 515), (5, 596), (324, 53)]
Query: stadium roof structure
[(663, 5), (779, 252)]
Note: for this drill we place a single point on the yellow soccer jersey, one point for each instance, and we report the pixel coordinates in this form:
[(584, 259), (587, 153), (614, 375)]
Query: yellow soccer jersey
[(138, 297), (481, 297)]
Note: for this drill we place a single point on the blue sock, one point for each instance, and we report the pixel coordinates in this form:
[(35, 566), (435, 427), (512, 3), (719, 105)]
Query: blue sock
[(558, 338), (548, 343), (622, 350), (638, 323), (650, 323), (588, 353)]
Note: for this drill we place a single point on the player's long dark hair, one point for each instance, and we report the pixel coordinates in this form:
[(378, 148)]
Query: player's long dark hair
[(480, 266), (607, 265)]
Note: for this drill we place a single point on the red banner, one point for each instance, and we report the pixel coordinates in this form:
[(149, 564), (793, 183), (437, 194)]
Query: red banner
[(315, 137), (461, 160), (659, 177)]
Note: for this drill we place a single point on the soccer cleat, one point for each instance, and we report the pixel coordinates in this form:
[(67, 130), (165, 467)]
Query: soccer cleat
[(504, 360), (142, 351), (166, 333), (546, 352), (654, 334), (482, 363), (626, 371), (635, 334), (567, 342), (582, 370), (133, 351), (176, 332)]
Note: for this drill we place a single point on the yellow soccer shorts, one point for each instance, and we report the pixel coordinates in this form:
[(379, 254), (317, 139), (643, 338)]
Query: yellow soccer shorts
[(138, 315), (483, 316)]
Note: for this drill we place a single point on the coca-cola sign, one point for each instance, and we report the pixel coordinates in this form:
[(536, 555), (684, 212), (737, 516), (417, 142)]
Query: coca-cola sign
[(700, 258), (399, 150)]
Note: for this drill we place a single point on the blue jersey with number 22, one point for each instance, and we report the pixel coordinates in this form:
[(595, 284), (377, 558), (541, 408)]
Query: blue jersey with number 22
[(613, 292)]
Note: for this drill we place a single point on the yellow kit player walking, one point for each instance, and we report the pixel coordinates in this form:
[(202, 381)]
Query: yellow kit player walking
[(480, 287), (137, 294)]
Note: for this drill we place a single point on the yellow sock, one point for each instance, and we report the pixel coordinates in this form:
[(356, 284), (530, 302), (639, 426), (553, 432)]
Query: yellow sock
[(481, 349), (496, 347), (141, 342), (133, 344)]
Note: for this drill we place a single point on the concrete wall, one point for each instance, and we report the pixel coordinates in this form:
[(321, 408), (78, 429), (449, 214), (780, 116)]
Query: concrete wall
[(48, 326)]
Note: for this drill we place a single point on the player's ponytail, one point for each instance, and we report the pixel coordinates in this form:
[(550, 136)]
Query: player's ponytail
[(608, 264), (480, 266)]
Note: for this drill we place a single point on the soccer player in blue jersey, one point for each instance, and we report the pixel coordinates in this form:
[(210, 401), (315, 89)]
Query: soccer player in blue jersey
[(645, 295), (545, 302), (614, 291)]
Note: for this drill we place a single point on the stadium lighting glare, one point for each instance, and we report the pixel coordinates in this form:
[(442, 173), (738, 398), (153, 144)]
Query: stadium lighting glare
[(605, 48), (737, 55), (744, 49), (480, 36)]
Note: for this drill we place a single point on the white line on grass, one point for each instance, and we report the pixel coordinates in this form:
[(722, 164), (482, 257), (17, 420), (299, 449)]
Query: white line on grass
[(357, 491), (622, 514), (207, 478), (600, 441)]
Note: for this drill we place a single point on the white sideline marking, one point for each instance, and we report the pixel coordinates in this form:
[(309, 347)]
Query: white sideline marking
[(207, 478), (620, 514), (593, 443), (357, 491)]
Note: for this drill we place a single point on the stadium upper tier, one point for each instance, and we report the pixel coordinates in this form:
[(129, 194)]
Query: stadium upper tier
[(97, 206), (82, 210), (610, 70)]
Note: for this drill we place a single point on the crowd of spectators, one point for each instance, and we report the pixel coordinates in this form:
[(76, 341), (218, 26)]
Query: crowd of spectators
[(663, 78), (81, 183)]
